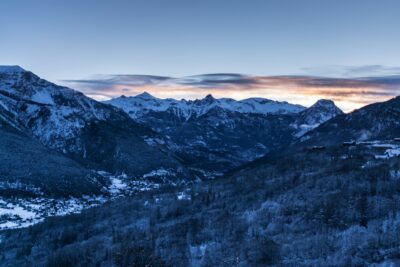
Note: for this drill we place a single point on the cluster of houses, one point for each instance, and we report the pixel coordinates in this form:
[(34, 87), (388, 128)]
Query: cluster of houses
[(387, 148)]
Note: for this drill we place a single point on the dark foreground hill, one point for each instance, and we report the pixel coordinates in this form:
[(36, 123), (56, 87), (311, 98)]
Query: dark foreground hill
[(332, 207)]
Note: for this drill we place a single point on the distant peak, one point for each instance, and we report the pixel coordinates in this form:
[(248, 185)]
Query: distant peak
[(209, 97), (145, 95), (324, 103), (11, 69)]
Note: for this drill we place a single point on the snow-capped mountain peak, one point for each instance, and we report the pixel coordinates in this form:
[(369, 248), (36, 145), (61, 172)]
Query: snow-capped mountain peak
[(53, 114), (202, 106), (325, 107), (139, 105), (324, 103), (320, 112), (208, 99), (145, 95)]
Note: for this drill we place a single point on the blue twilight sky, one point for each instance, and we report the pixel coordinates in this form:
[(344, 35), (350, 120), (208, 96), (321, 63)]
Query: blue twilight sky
[(74, 40)]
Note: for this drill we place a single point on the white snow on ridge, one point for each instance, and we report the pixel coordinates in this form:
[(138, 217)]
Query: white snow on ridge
[(66, 111), (266, 106), (143, 103)]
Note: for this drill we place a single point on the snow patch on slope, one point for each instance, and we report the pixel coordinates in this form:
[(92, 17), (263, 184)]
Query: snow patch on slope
[(23, 212), (43, 97)]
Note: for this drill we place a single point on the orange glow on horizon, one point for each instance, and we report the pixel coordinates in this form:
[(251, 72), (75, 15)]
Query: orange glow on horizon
[(347, 94)]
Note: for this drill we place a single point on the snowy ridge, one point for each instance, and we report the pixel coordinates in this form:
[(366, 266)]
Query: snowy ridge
[(321, 111), (141, 104), (212, 130), (54, 114)]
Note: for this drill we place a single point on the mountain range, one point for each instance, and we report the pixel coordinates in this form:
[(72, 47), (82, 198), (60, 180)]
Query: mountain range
[(220, 134), (137, 136), (82, 131), (143, 103), (294, 186)]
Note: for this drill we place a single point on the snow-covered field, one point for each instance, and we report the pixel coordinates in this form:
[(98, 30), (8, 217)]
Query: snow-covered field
[(17, 213), (23, 212)]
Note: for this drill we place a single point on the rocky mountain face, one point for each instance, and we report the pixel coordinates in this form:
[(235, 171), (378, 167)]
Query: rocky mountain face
[(378, 121), (308, 119), (217, 135), (92, 134)]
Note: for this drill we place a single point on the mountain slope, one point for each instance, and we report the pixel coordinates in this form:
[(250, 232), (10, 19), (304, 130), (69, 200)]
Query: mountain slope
[(98, 135), (376, 121), (29, 169), (304, 209)]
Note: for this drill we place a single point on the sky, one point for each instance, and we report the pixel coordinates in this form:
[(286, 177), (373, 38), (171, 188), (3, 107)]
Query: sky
[(298, 51)]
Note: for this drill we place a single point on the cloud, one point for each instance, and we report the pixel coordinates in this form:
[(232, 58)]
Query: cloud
[(339, 71), (105, 81), (217, 80), (348, 93)]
